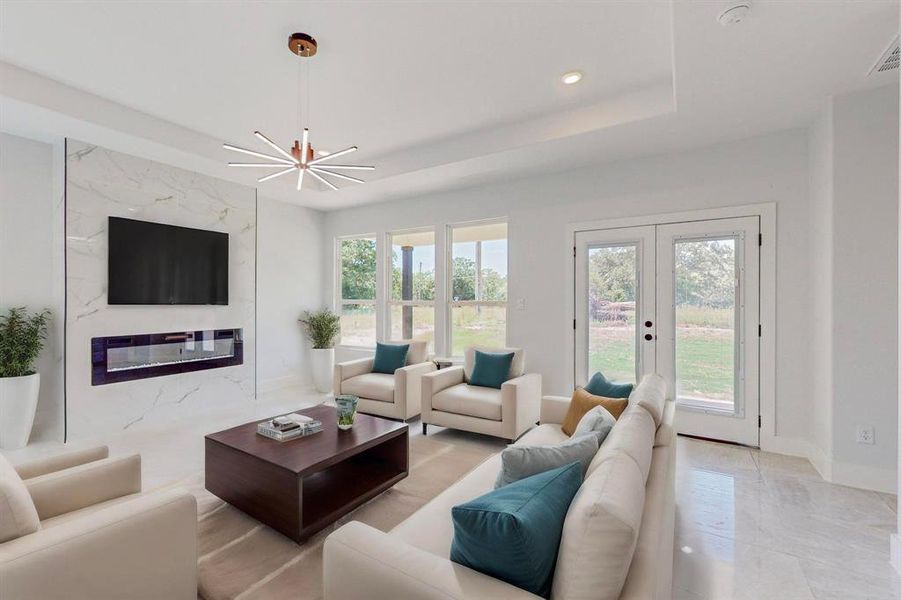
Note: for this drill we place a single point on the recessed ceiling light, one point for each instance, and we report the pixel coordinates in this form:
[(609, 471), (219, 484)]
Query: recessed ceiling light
[(571, 77), (323, 152)]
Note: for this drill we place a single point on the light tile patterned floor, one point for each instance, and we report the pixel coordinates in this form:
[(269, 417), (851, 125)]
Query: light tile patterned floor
[(751, 524)]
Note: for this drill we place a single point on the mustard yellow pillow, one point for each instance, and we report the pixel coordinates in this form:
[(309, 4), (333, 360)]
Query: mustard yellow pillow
[(582, 402)]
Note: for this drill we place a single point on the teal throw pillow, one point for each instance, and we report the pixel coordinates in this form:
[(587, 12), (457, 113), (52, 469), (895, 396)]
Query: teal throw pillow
[(519, 462), (513, 533), (490, 369), (389, 358), (601, 386)]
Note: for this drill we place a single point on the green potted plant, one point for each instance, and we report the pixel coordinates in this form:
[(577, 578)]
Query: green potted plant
[(322, 327), (22, 337)]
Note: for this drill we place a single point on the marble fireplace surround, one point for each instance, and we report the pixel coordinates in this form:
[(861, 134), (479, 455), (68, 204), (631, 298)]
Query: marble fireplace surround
[(101, 183)]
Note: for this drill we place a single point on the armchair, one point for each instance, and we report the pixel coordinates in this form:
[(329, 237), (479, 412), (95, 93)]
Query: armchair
[(448, 400), (394, 396), (84, 530)]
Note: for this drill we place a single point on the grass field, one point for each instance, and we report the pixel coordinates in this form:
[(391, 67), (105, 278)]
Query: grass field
[(485, 326), (704, 352)]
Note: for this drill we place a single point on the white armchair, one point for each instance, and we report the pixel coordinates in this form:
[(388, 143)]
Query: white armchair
[(394, 396), (76, 526), (449, 401)]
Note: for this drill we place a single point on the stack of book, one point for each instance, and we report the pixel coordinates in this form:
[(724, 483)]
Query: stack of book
[(289, 427)]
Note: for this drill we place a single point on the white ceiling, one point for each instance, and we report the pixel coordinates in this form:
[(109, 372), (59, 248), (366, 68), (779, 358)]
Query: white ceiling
[(438, 94)]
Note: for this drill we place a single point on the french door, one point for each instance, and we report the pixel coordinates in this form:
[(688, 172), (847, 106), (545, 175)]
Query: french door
[(681, 300)]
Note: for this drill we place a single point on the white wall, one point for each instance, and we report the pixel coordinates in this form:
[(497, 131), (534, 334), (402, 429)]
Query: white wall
[(31, 256), (821, 225), (854, 287), (771, 168), (289, 281), (865, 343)]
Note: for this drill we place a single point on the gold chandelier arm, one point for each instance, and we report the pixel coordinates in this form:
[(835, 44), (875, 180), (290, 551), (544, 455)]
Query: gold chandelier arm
[(354, 167), (278, 174), (333, 155), (300, 178), (274, 146), (322, 179), (338, 175), (257, 154), (268, 166)]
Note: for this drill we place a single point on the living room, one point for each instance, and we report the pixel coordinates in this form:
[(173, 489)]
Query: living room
[(443, 240)]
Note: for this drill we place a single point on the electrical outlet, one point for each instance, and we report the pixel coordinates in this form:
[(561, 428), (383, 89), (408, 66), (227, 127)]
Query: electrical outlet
[(866, 434), (521, 304)]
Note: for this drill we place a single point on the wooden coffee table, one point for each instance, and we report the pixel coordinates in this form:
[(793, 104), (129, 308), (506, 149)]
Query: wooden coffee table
[(300, 486)]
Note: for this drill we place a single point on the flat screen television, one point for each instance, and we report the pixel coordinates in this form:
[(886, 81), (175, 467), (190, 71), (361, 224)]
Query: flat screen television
[(153, 263)]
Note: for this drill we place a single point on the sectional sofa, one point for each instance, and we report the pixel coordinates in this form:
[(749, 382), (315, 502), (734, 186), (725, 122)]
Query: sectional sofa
[(617, 537)]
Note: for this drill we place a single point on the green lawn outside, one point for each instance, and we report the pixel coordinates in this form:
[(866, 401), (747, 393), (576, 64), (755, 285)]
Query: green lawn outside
[(704, 358), (485, 326)]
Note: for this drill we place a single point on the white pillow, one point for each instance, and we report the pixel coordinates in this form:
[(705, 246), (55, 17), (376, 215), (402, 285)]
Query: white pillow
[(519, 462), (598, 420), (18, 516)]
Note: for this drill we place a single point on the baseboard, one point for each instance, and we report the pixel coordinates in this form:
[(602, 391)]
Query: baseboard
[(821, 461), (880, 479), (280, 383), (896, 552), (785, 445)]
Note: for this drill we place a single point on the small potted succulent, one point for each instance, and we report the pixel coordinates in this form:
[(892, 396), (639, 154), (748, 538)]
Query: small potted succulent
[(322, 328), (22, 337)]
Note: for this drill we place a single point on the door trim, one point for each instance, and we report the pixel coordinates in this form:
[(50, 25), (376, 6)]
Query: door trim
[(767, 372)]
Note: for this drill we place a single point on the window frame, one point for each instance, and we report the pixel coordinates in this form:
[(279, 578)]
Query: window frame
[(389, 302), (340, 302), (449, 303)]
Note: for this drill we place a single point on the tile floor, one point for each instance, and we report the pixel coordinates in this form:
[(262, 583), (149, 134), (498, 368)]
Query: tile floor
[(749, 524)]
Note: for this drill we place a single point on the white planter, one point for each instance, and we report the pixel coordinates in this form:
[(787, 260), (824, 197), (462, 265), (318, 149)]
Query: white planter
[(323, 362), (18, 403)]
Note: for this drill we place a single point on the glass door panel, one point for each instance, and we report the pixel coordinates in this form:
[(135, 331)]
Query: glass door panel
[(612, 295), (614, 303), (705, 301), (708, 344)]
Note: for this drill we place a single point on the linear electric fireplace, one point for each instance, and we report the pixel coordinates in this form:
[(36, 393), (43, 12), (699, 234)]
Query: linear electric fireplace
[(128, 357)]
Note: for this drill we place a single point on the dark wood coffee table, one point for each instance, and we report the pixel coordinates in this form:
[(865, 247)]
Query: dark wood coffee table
[(300, 486)]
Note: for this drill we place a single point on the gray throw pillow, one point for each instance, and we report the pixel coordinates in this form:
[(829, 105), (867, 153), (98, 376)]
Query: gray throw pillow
[(519, 462), (598, 421)]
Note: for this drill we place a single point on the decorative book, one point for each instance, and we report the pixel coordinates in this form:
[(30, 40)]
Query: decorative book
[(288, 427)]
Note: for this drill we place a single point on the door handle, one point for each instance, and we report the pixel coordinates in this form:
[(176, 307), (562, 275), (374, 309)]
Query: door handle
[(648, 324), (648, 337)]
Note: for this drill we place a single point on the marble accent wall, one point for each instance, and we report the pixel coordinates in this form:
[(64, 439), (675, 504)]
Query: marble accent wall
[(101, 183)]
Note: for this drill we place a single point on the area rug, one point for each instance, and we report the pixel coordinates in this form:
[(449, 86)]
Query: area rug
[(241, 559)]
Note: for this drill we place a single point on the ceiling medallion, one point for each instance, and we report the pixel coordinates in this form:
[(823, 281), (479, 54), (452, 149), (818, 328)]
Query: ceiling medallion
[(300, 157)]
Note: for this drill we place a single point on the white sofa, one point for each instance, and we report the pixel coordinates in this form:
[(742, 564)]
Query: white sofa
[(394, 396), (448, 400), (617, 537), (75, 525)]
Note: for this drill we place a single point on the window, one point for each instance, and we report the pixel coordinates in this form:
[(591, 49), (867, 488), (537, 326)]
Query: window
[(411, 300), (357, 285), (477, 268)]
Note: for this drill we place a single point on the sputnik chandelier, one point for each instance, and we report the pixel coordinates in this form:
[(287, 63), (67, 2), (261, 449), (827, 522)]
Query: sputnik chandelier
[(301, 157)]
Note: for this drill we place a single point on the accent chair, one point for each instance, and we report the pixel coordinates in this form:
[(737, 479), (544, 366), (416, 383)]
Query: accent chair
[(448, 399), (394, 396), (76, 525)]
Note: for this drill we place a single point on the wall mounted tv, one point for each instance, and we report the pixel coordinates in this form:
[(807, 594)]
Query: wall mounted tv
[(153, 263)]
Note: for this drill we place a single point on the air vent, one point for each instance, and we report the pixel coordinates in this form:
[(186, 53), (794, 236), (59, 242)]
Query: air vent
[(889, 60)]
